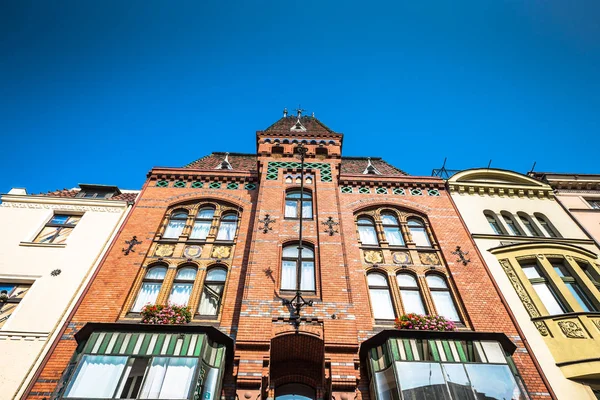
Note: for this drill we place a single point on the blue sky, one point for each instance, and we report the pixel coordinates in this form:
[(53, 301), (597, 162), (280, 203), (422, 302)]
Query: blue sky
[(99, 92)]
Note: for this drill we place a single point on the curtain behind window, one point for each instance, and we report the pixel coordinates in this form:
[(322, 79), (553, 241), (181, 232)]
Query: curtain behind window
[(367, 235), (169, 378), (308, 276), (180, 294), (227, 230), (96, 377), (148, 294), (288, 275)]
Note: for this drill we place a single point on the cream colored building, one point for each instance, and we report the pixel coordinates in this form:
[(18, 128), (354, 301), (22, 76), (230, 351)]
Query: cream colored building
[(545, 266), (50, 246)]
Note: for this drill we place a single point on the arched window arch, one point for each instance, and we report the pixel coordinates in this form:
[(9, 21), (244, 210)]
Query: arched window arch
[(182, 285), (391, 229), (151, 285), (289, 268), (203, 222), (366, 231), (513, 226), (492, 219), (442, 298), (546, 225), (412, 300), (530, 227), (212, 293), (381, 299), (293, 206), (418, 232), (228, 226), (295, 391), (176, 224)]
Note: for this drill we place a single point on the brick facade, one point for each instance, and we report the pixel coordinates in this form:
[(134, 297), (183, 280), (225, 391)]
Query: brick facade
[(268, 350)]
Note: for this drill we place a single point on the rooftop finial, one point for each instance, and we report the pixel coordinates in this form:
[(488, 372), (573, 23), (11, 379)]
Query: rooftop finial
[(299, 110), (313, 114), (285, 112)]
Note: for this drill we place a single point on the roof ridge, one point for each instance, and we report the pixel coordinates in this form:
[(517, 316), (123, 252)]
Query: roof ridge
[(305, 118)]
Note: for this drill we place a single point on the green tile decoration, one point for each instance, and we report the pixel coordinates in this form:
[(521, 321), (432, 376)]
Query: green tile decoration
[(399, 191), (197, 185), (215, 185), (273, 169), (346, 189), (233, 185), (364, 190), (179, 184), (250, 186), (416, 192), (162, 183), (433, 192), (381, 190)]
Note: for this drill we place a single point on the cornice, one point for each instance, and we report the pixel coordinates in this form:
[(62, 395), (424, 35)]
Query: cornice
[(544, 245), (392, 180), (531, 239), (191, 173), (63, 203), (501, 190)]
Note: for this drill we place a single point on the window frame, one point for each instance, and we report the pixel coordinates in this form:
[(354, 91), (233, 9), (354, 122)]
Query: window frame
[(389, 293), (531, 229), (447, 289), (305, 246), (180, 281), (223, 220), (397, 226), (499, 228), (543, 279), (150, 281), (420, 225), (173, 216), (372, 224), (198, 219), (12, 299), (593, 203), (205, 284), (548, 228), (298, 207), (514, 229), (568, 277), (58, 227), (416, 288)]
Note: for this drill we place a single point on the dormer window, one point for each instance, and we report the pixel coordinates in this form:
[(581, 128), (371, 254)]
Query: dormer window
[(97, 191), (225, 164), (371, 169)]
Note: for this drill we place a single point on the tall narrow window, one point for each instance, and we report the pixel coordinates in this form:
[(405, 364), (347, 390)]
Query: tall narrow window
[(442, 298), (513, 227), (391, 229), (58, 229), (214, 284), (590, 272), (182, 286), (528, 224), (381, 300), (410, 293), (543, 289), (574, 287), (288, 268), (418, 233), (494, 223), (366, 231), (150, 287), (293, 206), (594, 203), (176, 225), (203, 223), (546, 225), (227, 227)]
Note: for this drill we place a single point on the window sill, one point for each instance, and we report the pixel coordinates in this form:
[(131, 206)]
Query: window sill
[(53, 245), (297, 219)]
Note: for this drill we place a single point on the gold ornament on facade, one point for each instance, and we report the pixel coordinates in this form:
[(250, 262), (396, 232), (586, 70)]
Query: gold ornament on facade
[(164, 250), (192, 251), (541, 327), (221, 252), (373, 256), (401, 257), (572, 329), (429, 258), (596, 323), (521, 292)]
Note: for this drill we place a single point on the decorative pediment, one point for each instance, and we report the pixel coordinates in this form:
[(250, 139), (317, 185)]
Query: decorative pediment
[(487, 181)]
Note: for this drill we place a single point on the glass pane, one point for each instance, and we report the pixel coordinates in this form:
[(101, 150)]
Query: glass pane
[(458, 382), (63, 234), (73, 220), (226, 230), (292, 252), (381, 303), (174, 228), (493, 352), (296, 195), (420, 237), (46, 235), (375, 279), (528, 226), (211, 298), (230, 217), (180, 294), (560, 269), (393, 236), (200, 230), (367, 234), (386, 385), (436, 282), (365, 221), (494, 224), (548, 298), (445, 305), (307, 281), (96, 377), (512, 228), (179, 215), (415, 223), (412, 301), (147, 295), (422, 381), (493, 382), (216, 275), (132, 379), (307, 209), (546, 227), (288, 275), (206, 213), (169, 378), (580, 296), (187, 273), (59, 219), (406, 280), (156, 273), (291, 209), (388, 219), (531, 272)]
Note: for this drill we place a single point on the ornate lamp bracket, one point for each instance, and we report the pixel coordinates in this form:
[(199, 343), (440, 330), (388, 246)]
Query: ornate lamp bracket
[(461, 256), (131, 244), (296, 305), (266, 221), (330, 223)]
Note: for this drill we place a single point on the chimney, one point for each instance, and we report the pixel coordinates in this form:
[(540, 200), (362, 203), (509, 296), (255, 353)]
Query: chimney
[(18, 191)]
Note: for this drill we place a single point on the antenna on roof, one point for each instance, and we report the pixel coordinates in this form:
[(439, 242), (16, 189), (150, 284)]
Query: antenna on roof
[(489, 164), (443, 172), (532, 167)]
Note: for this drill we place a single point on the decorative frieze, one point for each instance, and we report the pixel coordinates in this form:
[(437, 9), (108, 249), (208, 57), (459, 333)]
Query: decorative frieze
[(62, 207), (571, 329)]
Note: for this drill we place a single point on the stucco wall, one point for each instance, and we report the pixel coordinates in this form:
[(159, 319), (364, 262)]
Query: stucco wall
[(583, 212)]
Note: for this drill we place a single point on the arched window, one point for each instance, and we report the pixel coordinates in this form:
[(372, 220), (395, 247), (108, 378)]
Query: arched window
[(150, 287), (366, 231), (293, 206), (494, 223), (442, 298), (528, 224), (182, 286), (227, 227), (391, 229), (176, 225), (203, 222), (546, 225), (381, 300), (212, 294), (294, 391), (418, 233), (289, 264), (410, 293), (513, 226)]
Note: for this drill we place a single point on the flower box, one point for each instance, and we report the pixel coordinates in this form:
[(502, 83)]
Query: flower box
[(165, 315), (424, 323)]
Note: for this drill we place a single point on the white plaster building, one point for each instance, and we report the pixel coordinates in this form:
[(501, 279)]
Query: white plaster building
[(50, 246), (546, 268)]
